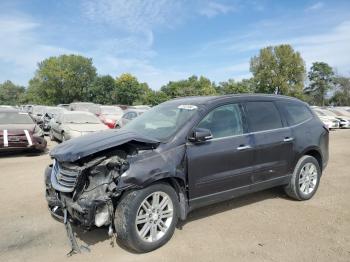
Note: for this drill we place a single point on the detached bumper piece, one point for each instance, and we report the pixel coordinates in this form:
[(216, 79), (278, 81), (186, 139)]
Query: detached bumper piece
[(75, 248)]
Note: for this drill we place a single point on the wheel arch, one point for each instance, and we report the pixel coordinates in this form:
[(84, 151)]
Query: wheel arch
[(316, 153)]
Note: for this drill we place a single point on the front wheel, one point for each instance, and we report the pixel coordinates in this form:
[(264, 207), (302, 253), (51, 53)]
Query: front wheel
[(305, 179), (145, 219)]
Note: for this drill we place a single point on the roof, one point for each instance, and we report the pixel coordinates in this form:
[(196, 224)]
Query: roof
[(196, 100)]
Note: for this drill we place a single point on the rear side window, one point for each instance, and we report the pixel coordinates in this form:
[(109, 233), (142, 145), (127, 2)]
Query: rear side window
[(263, 116), (295, 113)]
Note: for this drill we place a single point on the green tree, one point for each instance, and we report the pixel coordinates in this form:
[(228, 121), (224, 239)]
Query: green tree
[(321, 78), (103, 90), (153, 98), (62, 79), (129, 90), (278, 69), (193, 86), (11, 94), (232, 87), (341, 96)]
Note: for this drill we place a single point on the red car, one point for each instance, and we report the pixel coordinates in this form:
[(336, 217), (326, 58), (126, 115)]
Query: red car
[(18, 131)]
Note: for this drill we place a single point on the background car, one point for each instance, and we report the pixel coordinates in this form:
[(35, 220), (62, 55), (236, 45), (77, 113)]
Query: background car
[(129, 115), (342, 114), (327, 118), (36, 112), (70, 124), (109, 115), (65, 106), (50, 113), (85, 106), (18, 131)]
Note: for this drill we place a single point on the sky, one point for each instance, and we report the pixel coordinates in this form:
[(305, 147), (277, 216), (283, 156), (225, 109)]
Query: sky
[(166, 40)]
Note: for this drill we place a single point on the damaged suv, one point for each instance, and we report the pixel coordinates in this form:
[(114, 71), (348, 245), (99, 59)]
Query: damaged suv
[(181, 155)]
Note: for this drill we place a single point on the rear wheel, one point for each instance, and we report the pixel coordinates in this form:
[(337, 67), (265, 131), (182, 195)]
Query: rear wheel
[(145, 219), (305, 179)]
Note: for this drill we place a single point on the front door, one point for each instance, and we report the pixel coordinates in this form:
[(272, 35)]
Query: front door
[(224, 162)]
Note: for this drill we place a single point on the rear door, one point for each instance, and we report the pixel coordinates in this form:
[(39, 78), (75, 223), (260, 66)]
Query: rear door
[(273, 141), (224, 162)]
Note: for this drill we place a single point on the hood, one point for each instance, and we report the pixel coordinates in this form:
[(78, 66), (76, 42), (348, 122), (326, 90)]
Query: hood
[(83, 146), (86, 127), (17, 129)]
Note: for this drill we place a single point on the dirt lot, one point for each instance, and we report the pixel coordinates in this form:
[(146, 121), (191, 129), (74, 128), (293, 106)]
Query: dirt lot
[(265, 226)]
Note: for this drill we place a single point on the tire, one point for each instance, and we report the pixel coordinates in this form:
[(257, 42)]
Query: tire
[(304, 186), (51, 135), (130, 233)]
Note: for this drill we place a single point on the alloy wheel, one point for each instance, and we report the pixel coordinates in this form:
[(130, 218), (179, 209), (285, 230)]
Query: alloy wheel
[(308, 178), (154, 216)]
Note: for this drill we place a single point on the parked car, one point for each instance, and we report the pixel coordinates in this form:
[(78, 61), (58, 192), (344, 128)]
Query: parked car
[(49, 113), (36, 112), (341, 114), (328, 118), (109, 115), (65, 106), (18, 131), (181, 155), (330, 124), (129, 115), (85, 106), (70, 124)]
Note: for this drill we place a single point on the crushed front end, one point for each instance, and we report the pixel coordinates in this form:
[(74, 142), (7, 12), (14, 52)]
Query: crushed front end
[(87, 191)]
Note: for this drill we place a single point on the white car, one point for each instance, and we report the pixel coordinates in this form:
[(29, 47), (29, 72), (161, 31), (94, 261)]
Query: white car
[(71, 124), (342, 115), (327, 118), (330, 124)]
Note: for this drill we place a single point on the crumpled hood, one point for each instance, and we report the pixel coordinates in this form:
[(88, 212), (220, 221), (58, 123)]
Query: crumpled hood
[(77, 148), (87, 127)]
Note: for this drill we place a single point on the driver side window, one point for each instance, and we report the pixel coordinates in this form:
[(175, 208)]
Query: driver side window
[(223, 121)]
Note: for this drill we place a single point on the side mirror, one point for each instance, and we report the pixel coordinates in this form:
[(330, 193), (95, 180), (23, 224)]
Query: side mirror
[(201, 135)]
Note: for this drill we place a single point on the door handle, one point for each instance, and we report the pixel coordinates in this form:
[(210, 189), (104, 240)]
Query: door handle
[(288, 139), (243, 147)]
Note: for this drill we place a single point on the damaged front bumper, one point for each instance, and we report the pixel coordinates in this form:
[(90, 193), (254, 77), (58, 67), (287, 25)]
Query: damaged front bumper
[(88, 193)]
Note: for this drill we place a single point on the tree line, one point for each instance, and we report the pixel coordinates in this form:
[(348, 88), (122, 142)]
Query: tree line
[(275, 70)]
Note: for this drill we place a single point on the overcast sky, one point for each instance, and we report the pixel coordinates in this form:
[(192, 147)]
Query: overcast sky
[(163, 40)]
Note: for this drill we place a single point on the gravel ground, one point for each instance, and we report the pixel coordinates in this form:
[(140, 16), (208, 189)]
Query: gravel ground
[(265, 226)]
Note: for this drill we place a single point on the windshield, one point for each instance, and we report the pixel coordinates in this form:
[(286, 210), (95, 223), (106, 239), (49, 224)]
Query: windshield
[(162, 122), (80, 119), (111, 110), (87, 108), (15, 118), (55, 110), (38, 110)]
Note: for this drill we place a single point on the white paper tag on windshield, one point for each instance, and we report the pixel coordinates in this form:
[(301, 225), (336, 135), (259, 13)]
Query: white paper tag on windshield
[(187, 107)]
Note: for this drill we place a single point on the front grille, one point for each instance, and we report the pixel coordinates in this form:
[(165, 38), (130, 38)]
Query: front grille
[(66, 176)]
